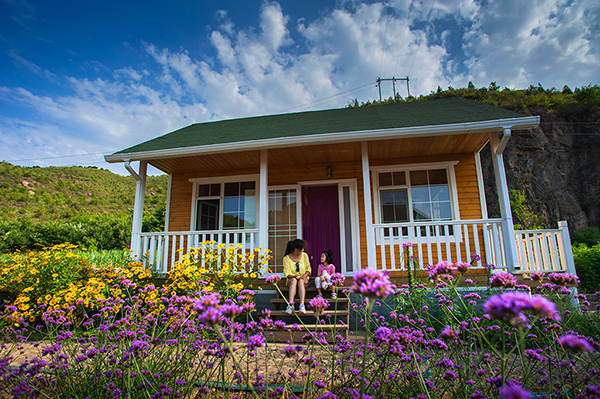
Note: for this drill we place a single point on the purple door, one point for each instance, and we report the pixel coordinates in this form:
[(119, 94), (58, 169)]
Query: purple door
[(321, 223)]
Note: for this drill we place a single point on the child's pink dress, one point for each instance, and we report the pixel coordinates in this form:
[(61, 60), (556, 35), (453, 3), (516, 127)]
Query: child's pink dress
[(324, 281)]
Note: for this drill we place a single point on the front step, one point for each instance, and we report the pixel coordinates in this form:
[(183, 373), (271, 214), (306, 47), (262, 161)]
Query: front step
[(292, 335), (340, 312)]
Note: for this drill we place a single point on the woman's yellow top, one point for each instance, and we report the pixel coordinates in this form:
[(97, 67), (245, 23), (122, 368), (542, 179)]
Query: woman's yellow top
[(289, 266)]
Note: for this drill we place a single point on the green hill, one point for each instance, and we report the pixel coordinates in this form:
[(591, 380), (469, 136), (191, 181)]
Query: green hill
[(84, 205)]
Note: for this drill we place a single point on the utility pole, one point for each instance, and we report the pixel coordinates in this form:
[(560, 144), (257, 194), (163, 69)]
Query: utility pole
[(393, 79)]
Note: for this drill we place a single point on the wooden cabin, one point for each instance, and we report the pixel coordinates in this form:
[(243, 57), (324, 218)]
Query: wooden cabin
[(361, 181)]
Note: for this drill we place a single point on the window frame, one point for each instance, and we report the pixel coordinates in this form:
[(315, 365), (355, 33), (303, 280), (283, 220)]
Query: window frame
[(196, 182), (377, 189)]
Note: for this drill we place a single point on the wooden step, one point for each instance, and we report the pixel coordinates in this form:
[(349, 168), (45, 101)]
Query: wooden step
[(296, 336), (340, 312), (331, 301)]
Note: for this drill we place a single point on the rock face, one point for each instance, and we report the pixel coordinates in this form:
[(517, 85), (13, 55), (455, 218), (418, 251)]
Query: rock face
[(556, 166)]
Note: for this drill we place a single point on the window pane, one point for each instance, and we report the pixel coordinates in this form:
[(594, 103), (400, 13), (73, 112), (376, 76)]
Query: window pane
[(231, 205), (215, 190), (232, 189), (438, 176), (387, 197), (399, 178), (401, 213), (400, 197), (420, 194), (231, 220), (203, 190), (442, 210), (388, 214), (249, 220), (247, 188), (418, 178), (440, 193), (393, 206), (207, 215), (247, 204), (385, 179), (422, 211)]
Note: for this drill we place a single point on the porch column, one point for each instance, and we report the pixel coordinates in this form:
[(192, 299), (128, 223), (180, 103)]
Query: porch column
[(138, 206), (263, 201), (371, 256), (508, 230)]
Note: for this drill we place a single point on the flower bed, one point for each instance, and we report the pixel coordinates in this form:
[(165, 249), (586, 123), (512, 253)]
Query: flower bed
[(424, 341)]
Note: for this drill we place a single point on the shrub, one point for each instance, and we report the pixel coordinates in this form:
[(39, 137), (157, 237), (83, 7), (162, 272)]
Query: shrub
[(587, 264), (589, 235)]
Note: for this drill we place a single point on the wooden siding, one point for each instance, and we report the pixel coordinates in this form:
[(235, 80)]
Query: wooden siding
[(307, 164)]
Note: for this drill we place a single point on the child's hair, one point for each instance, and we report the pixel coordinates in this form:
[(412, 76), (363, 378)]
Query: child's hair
[(293, 245), (328, 256)]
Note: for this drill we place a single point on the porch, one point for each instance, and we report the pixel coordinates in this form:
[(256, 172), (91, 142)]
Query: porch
[(545, 250)]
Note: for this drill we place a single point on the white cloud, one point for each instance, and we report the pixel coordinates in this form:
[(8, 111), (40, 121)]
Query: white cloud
[(261, 70)]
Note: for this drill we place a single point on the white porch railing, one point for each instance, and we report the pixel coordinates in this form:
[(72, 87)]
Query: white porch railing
[(547, 250), (160, 251), (456, 241), (432, 242)]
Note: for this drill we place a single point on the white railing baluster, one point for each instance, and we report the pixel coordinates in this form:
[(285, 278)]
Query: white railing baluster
[(476, 241), (467, 242), (383, 262)]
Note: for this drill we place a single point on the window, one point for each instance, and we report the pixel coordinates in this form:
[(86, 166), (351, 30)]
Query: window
[(226, 205), (283, 223), (415, 195)]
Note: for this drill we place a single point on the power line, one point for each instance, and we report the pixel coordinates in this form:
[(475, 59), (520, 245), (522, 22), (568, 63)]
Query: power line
[(327, 98), (62, 156), (421, 39), (404, 34)]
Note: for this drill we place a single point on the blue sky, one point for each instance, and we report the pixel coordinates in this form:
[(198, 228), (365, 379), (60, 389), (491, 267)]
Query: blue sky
[(80, 79)]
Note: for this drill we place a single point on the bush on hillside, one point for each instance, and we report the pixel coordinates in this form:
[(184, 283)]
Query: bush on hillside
[(587, 264)]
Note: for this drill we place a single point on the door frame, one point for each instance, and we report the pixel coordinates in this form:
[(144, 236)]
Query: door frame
[(354, 228)]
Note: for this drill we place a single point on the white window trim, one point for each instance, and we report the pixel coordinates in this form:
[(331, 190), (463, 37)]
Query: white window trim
[(453, 192), (222, 179)]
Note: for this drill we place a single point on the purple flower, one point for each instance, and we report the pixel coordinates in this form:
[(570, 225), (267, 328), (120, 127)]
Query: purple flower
[(273, 279), (448, 334), (372, 283), (537, 276), (514, 391), (462, 267), (255, 341), (508, 308), (475, 258), (441, 271), (504, 280), (231, 311), (563, 279), (319, 304), (337, 279), (139, 345), (575, 343)]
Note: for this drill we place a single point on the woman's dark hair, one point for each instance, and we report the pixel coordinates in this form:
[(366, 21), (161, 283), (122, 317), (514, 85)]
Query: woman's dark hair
[(328, 256), (293, 245)]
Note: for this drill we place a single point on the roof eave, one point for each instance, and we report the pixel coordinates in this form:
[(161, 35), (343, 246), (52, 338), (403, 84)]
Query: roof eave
[(378, 134)]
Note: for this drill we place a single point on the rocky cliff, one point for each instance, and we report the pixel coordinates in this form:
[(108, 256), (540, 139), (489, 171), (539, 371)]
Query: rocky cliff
[(556, 166)]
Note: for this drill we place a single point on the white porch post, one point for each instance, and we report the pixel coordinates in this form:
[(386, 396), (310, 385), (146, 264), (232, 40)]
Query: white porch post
[(508, 230), (371, 255), (138, 207), (263, 201)]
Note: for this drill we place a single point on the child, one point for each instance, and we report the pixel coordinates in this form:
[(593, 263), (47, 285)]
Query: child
[(326, 269)]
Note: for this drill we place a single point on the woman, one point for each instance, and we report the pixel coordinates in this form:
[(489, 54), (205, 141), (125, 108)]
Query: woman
[(296, 269)]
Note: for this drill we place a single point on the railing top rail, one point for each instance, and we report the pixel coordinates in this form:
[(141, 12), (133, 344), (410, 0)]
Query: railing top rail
[(437, 223), (188, 233), (537, 231)]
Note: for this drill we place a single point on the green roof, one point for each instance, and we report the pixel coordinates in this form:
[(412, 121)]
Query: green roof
[(387, 116)]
